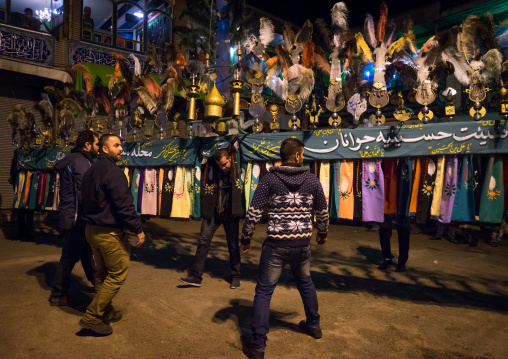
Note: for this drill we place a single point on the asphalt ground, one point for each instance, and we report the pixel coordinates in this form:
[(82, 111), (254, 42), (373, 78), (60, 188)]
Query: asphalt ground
[(452, 301)]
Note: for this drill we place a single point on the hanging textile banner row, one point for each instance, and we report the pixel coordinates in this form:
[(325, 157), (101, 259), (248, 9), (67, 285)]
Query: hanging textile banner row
[(374, 142)]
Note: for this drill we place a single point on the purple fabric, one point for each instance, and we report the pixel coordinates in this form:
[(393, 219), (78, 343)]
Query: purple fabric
[(373, 193), (449, 190), (141, 188)]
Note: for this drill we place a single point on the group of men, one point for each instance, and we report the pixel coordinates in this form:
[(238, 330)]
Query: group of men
[(97, 212)]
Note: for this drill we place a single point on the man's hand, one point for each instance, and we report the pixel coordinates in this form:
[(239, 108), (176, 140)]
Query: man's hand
[(320, 240), (245, 248), (141, 239)]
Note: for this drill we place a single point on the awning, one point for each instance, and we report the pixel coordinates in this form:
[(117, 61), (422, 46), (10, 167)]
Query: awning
[(29, 69)]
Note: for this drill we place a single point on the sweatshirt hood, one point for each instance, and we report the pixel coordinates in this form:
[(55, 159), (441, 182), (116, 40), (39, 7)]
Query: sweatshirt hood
[(293, 177)]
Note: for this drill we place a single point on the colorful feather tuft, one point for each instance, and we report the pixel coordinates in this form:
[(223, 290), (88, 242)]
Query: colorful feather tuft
[(308, 55), (266, 28), (381, 24)]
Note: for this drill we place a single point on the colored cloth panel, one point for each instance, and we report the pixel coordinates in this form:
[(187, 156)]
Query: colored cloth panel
[(46, 191), (26, 188), (126, 173), (373, 192), (33, 191), (389, 166), (181, 203), (20, 184), (51, 192), (449, 190), (492, 200), (416, 185), (248, 182), (347, 202), (160, 180), (427, 181), (479, 171), (41, 192), (149, 194), (438, 188), (197, 188), (404, 186), (135, 186), (357, 190), (141, 187), (335, 190), (254, 180), (189, 185), (56, 198), (463, 204), (324, 179), (167, 192)]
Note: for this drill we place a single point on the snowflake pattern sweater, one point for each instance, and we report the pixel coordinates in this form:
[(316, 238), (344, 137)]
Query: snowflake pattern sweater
[(291, 193)]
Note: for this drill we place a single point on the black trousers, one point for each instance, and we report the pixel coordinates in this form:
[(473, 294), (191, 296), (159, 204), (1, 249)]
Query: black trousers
[(208, 228), (74, 248), (385, 234)]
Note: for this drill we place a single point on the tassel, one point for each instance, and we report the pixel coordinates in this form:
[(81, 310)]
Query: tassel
[(381, 24), (308, 55)]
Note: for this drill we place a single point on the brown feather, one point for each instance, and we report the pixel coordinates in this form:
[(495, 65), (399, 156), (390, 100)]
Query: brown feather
[(325, 33), (152, 86), (272, 61), (202, 57), (283, 58), (123, 64), (308, 55), (172, 72), (180, 60), (322, 63), (381, 24)]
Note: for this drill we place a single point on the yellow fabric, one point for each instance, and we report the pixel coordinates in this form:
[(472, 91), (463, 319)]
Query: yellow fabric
[(416, 185), (347, 200), (324, 178), (438, 187), (19, 188), (248, 175), (27, 187), (181, 201), (159, 190), (126, 173)]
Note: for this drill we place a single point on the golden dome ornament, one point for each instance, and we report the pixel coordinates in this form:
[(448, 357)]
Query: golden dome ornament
[(214, 105), (192, 95)]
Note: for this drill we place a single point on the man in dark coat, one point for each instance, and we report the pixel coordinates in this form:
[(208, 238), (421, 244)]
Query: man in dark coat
[(75, 247), (108, 211), (220, 205)]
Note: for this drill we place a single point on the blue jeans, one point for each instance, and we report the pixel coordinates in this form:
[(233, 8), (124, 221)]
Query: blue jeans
[(273, 260)]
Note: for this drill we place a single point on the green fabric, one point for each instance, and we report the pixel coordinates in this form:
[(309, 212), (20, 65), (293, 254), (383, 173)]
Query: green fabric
[(492, 200), (33, 191)]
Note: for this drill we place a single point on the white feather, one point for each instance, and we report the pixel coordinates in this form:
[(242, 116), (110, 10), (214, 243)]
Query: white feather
[(431, 168), (265, 31), (137, 65), (256, 169), (372, 166), (340, 14), (249, 43), (210, 173), (198, 173), (461, 68), (344, 184), (280, 87), (492, 183)]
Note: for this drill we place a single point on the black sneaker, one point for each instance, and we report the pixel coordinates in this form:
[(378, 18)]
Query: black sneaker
[(193, 281), (400, 268), (316, 333), (386, 263), (101, 328), (112, 317), (235, 283), (58, 301), (253, 354)]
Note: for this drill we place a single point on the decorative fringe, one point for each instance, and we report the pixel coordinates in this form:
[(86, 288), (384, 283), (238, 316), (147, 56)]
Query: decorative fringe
[(308, 55)]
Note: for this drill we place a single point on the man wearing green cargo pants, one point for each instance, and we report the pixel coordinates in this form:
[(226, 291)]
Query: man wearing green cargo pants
[(108, 212)]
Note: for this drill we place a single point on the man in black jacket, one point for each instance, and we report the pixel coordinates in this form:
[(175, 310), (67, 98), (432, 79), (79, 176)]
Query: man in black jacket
[(75, 247), (220, 205), (108, 212)]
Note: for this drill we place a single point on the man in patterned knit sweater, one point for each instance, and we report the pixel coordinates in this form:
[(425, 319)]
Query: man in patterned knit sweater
[(291, 193)]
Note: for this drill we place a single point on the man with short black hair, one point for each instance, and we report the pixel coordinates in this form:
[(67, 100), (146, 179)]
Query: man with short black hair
[(87, 20), (108, 212), (75, 247), (220, 205), (291, 193), (29, 22)]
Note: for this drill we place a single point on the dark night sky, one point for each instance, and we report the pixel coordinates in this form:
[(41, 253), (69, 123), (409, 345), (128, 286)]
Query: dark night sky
[(298, 11)]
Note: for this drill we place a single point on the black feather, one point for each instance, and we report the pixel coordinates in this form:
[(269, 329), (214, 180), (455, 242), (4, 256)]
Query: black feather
[(440, 72), (325, 33), (408, 74)]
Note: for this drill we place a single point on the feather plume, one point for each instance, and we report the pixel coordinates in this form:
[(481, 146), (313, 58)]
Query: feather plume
[(47, 108), (325, 33), (123, 65), (277, 85), (430, 44), (272, 61), (152, 86), (492, 60), (381, 24), (340, 14), (408, 74), (392, 35), (283, 58), (370, 31), (348, 46), (308, 55), (305, 34), (87, 76), (462, 71), (440, 72), (195, 67), (321, 63), (171, 72), (502, 38), (170, 54), (266, 28), (148, 100), (362, 48), (124, 95), (137, 65), (249, 43), (399, 45), (72, 105), (504, 73), (288, 36)]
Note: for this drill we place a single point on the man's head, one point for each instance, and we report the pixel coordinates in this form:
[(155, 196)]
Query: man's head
[(29, 13), (111, 145), (291, 151), (222, 157), (88, 141), (87, 11)]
